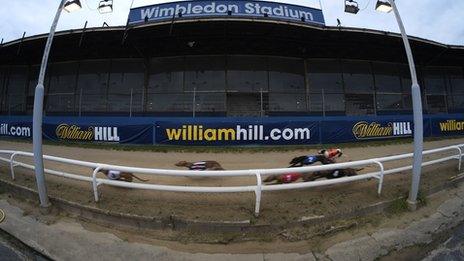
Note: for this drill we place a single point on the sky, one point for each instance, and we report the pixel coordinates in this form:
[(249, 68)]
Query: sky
[(437, 20)]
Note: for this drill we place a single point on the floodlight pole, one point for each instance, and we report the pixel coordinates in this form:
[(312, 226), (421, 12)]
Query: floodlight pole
[(38, 115), (417, 113)]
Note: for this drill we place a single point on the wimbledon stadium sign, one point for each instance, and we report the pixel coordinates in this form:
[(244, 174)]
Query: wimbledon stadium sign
[(238, 8)]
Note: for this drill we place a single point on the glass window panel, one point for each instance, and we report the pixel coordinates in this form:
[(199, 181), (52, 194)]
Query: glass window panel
[(331, 102), (457, 101), (210, 102), (205, 73), (434, 81), (63, 78), (172, 102), (16, 89), (247, 73), (93, 103), (93, 77), (60, 103), (334, 102), (315, 103), (126, 75), (436, 103), (247, 104), (357, 77), (287, 102), (405, 76), (93, 81), (359, 104), (123, 103), (286, 74), (389, 102), (407, 101), (387, 77), (138, 101), (166, 75), (324, 75), (2, 89), (119, 102), (457, 81)]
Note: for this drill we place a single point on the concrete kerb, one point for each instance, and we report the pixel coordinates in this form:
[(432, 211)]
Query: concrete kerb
[(449, 214), (105, 217)]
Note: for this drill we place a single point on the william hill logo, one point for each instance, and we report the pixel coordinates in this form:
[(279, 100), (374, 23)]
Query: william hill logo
[(366, 130), (451, 125), (74, 132)]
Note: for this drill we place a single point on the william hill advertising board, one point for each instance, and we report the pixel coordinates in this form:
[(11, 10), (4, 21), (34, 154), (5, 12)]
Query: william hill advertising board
[(229, 131), (224, 8)]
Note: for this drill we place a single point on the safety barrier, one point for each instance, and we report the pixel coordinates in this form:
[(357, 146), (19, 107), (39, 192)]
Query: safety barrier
[(258, 173)]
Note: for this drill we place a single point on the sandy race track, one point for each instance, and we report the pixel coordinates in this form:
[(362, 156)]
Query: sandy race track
[(276, 206)]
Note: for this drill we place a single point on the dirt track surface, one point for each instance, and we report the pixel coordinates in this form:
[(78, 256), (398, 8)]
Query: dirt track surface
[(276, 207)]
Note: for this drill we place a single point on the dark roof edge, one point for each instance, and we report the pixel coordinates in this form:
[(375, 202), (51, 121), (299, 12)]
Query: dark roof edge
[(259, 20)]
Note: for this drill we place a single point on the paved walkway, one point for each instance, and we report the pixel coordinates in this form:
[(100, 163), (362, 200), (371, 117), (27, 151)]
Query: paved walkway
[(68, 240), (7, 254), (452, 249)]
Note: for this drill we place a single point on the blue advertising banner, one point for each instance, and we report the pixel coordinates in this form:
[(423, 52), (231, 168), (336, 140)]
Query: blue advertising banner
[(98, 129), (237, 132), (231, 131), (18, 127), (447, 126), (218, 8), (349, 129)]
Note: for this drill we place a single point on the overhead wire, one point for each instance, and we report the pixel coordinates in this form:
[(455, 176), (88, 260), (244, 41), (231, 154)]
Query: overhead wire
[(367, 5)]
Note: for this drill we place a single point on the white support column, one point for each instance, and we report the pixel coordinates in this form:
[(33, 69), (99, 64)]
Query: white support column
[(417, 114), (38, 115)]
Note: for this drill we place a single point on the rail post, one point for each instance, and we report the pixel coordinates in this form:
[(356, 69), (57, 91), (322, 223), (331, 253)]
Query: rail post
[(382, 170), (460, 157), (258, 191), (95, 182), (12, 165)]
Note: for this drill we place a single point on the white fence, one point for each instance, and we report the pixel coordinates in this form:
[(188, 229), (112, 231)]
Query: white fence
[(257, 173)]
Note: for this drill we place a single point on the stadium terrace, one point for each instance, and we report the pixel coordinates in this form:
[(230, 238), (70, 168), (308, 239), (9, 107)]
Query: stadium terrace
[(190, 79)]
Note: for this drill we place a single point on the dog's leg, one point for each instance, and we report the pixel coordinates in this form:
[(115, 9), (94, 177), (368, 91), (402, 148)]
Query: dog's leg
[(125, 179), (133, 176), (270, 178)]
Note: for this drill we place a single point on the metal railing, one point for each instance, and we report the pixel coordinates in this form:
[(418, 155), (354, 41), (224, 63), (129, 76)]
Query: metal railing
[(257, 173)]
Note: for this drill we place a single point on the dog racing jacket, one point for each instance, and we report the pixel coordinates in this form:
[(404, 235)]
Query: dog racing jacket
[(200, 165), (289, 178), (114, 174), (311, 159)]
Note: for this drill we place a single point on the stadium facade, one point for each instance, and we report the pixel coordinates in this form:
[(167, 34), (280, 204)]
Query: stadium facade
[(230, 72)]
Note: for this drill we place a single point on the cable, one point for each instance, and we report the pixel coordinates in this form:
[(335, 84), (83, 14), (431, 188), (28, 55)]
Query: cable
[(367, 5), (86, 3)]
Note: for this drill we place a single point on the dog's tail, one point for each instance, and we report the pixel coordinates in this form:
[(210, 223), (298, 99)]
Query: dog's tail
[(143, 180), (297, 160)]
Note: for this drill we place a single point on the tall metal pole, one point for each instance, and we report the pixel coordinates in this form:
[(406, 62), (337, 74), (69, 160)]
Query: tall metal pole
[(417, 113), (38, 115)]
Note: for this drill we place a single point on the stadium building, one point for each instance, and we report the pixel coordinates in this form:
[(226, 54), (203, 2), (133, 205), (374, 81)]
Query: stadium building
[(182, 66)]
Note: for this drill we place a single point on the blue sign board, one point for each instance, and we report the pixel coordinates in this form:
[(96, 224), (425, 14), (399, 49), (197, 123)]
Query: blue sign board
[(223, 131), (221, 8), (241, 132)]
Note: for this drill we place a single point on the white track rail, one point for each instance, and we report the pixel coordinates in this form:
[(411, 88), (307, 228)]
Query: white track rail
[(257, 173)]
